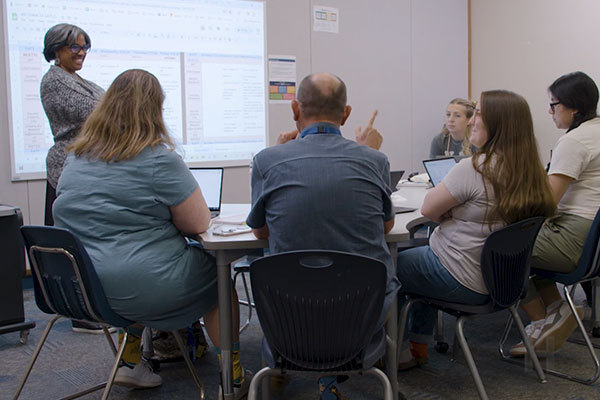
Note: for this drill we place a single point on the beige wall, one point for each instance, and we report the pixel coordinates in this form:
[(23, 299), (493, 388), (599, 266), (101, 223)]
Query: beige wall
[(407, 58), (523, 45)]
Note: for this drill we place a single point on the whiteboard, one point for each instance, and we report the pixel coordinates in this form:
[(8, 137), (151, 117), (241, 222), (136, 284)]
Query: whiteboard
[(208, 55)]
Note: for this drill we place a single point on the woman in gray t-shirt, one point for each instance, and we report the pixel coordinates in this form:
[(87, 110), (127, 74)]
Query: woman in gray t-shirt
[(477, 196), (454, 138)]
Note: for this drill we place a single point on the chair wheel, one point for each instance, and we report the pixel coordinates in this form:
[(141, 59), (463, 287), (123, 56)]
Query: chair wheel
[(596, 331), (441, 347), (24, 335)]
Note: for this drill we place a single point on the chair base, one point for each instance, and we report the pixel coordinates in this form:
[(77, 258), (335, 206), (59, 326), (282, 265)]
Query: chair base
[(268, 371), (35, 355), (462, 343), (107, 386), (531, 352), (23, 327)]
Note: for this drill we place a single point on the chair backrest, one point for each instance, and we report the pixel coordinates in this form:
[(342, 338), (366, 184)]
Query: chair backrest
[(589, 261), (64, 278), (506, 260), (318, 309)]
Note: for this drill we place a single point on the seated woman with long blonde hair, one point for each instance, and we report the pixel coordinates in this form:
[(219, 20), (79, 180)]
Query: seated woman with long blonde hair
[(130, 198)]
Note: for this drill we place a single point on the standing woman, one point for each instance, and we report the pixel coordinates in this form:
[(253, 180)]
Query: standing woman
[(479, 195), (454, 138), (67, 98), (574, 176)]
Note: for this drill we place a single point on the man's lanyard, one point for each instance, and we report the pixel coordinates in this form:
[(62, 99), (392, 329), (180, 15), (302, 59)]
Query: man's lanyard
[(321, 127)]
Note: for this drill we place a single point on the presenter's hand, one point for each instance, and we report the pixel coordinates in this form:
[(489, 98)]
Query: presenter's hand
[(369, 136), (285, 137)]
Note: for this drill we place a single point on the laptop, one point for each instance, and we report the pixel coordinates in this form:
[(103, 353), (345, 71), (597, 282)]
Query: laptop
[(210, 181), (437, 168), (395, 177)]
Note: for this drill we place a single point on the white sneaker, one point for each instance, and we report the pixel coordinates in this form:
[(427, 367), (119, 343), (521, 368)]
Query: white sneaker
[(240, 390), (533, 331), (139, 377), (558, 327)]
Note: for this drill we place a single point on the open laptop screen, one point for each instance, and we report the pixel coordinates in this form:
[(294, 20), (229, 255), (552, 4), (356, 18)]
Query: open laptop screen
[(210, 181), (438, 168), (395, 177)]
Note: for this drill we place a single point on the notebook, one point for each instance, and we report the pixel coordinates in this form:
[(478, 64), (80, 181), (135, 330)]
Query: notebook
[(437, 168), (210, 181), (395, 178)]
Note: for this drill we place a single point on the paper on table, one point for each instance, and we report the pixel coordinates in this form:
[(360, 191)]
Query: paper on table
[(229, 230), (396, 197)]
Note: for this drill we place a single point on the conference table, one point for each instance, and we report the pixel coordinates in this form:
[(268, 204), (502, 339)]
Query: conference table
[(229, 248)]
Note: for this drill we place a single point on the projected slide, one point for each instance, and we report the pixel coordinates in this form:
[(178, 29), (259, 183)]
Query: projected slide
[(209, 56)]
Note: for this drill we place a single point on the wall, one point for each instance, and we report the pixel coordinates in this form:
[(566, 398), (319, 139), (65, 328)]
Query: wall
[(525, 45), (406, 58)]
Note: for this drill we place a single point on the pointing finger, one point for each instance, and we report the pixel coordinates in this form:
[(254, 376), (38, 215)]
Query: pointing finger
[(372, 120)]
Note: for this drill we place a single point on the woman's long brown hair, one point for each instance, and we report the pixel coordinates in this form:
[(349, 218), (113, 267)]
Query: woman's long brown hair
[(512, 165)]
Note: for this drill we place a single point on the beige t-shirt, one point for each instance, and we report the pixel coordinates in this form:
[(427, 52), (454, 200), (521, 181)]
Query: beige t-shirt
[(577, 155), (458, 241)]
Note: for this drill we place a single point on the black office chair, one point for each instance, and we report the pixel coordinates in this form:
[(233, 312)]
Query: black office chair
[(588, 268), (66, 284), (319, 312), (241, 268), (505, 264)]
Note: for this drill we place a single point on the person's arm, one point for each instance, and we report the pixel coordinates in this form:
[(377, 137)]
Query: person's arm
[(438, 202), (192, 215), (285, 137), (388, 225), (261, 233), (559, 184)]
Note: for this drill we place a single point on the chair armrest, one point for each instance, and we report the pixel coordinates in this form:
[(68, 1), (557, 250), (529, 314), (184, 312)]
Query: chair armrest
[(416, 224)]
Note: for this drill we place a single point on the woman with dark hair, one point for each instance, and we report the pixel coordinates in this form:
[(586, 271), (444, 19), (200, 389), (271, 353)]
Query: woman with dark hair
[(574, 176), (130, 198), (479, 195), (67, 99)]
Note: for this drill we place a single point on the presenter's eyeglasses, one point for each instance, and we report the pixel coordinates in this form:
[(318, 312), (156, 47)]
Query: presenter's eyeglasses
[(553, 105), (75, 48)]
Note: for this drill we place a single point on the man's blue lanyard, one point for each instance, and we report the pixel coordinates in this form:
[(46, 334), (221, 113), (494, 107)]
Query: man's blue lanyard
[(320, 127)]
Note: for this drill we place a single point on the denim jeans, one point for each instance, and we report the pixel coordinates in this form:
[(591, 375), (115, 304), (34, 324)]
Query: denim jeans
[(421, 273)]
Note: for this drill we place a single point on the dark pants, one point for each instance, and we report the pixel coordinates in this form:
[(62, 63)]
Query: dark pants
[(50, 197)]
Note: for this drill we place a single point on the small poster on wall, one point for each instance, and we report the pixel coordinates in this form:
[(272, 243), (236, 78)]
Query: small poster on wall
[(326, 19), (282, 79)]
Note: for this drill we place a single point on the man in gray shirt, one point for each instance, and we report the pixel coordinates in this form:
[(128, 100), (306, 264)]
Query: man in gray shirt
[(318, 190)]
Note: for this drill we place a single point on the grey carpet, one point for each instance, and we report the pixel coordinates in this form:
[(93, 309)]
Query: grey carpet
[(71, 361)]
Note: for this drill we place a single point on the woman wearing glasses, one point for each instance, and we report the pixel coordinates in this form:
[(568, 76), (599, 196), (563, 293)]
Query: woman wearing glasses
[(574, 176), (67, 99)]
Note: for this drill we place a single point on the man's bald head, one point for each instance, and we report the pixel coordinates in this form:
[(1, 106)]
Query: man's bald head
[(322, 95)]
